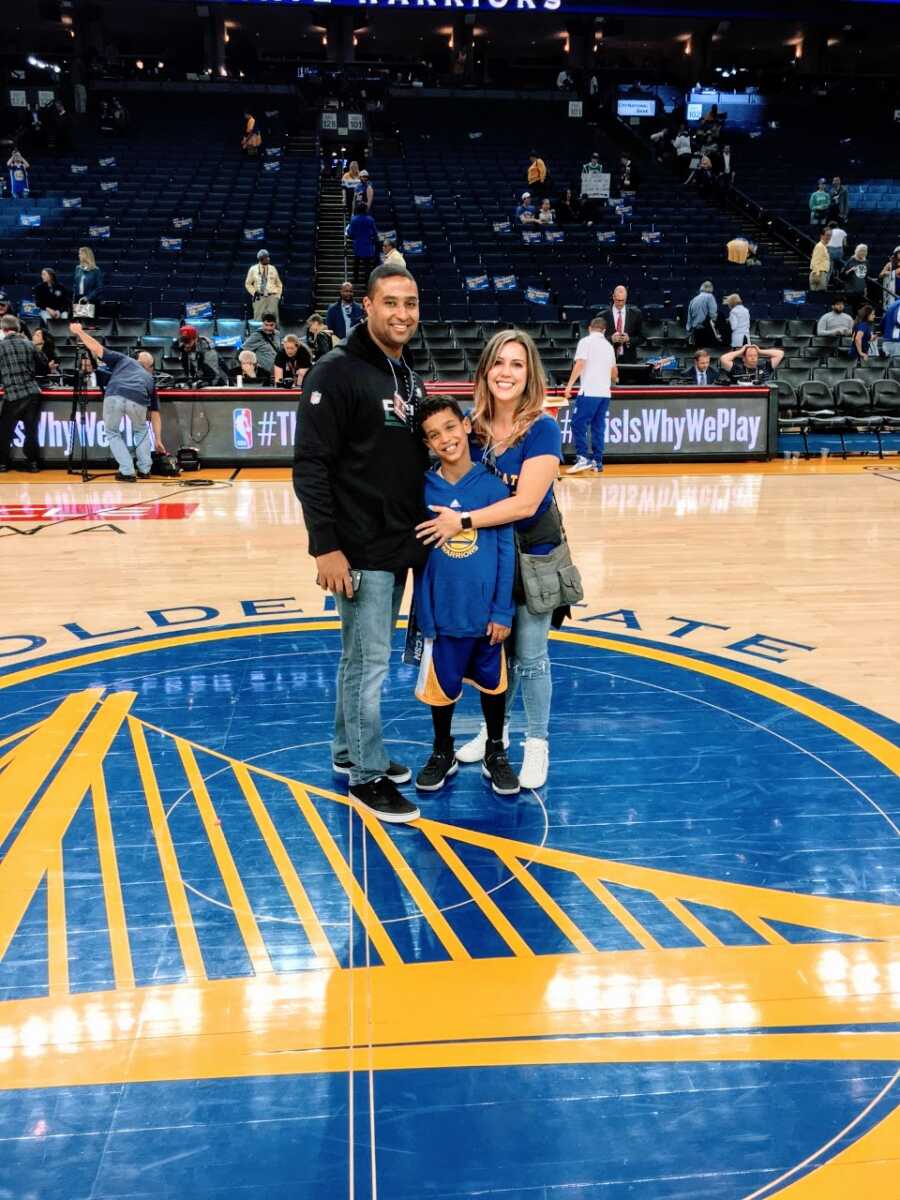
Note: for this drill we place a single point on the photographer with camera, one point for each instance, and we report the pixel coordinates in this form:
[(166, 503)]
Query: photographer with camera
[(130, 391)]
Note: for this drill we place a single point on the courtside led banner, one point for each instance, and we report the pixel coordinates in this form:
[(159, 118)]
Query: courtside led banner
[(235, 428)]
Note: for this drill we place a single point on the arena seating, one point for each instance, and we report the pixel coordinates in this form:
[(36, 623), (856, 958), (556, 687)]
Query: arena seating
[(172, 167)]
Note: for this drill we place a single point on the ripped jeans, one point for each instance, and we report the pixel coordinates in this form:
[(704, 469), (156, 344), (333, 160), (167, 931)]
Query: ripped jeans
[(530, 670)]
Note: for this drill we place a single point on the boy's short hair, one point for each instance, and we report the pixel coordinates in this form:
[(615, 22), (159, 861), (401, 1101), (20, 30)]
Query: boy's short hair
[(437, 405)]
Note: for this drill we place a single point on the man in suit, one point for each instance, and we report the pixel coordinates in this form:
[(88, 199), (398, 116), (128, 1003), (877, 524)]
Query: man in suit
[(701, 373), (625, 324), (344, 313)]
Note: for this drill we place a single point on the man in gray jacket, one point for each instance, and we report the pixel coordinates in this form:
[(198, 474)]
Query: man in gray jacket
[(265, 343)]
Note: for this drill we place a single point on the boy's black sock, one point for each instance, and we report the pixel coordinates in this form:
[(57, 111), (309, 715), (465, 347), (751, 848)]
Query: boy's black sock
[(494, 710), (442, 719)]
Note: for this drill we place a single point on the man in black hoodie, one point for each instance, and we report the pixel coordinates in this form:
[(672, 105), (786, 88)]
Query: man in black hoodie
[(359, 470)]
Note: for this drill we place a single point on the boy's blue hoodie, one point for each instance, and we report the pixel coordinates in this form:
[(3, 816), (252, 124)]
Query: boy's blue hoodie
[(467, 582)]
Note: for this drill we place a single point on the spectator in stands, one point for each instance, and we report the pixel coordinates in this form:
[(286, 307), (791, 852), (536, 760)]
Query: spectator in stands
[(701, 373), (21, 365), (564, 83), (820, 263), (18, 176), (87, 284), (725, 169), (263, 284), (352, 184), (681, 144), (890, 331), (595, 366), (839, 203), (265, 343), (51, 297), (889, 277), (857, 270), (292, 362), (6, 308), (43, 340), (319, 339), (742, 251), (199, 359), (249, 373), (251, 139), (568, 210), (704, 176), (546, 215), (366, 192), (391, 256), (835, 323), (363, 235), (627, 175), (750, 364), (536, 175), (593, 166), (626, 323), (526, 213), (819, 203), (701, 317), (863, 328), (836, 242), (344, 313), (738, 320)]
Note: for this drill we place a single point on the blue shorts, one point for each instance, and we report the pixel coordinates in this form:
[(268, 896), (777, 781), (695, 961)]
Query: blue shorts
[(449, 662)]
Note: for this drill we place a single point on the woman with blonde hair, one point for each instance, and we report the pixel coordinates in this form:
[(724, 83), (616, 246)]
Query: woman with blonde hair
[(87, 283), (353, 184), (520, 443)]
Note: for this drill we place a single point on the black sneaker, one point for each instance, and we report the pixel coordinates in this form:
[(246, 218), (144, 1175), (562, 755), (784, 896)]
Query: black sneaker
[(396, 772), (126, 478), (382, 800), (495, 767), (438, 769)]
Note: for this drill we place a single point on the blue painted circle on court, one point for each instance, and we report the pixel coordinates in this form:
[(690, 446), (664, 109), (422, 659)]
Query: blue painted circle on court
[(653, 764)]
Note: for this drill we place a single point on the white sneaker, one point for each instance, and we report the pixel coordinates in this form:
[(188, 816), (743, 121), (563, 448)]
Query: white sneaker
[(535, 763), (473, 751), (580, 464)]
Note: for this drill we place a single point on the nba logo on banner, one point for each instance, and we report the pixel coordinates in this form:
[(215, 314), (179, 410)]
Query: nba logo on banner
[(243, 429)]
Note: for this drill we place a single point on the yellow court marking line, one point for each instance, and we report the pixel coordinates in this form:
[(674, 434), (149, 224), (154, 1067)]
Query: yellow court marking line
[(237, 896), (873, 743), (318, 939), (415, 887), (34, 759), (123, 968), (541, 896), (57, 940), (705, 936), (178, 901), (501, 924), (617, 909), (17, 737), (30, 855), (360, 901)]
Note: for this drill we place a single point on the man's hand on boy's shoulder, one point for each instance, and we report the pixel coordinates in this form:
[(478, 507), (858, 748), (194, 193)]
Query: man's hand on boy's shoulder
[(497, 633)]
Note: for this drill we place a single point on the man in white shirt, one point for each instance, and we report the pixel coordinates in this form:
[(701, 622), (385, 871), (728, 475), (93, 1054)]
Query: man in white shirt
[(595, 366), (835, 244)]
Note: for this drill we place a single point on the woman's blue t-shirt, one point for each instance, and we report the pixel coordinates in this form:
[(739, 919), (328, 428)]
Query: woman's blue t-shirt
[(542, 438), (866, 330)]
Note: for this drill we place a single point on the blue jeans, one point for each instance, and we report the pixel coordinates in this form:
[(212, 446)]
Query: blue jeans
[(367, 627), (590, 413), (114, 409), (530, 670)]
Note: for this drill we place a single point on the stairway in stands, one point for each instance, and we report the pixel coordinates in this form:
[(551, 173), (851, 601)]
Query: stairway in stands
[(331, 265)]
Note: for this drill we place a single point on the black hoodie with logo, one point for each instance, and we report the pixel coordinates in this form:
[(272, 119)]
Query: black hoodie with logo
[(359, 461)]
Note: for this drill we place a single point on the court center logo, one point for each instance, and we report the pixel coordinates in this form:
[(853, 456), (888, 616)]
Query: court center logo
[(639, 991)]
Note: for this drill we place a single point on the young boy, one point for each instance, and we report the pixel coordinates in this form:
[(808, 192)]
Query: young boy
[(463, 601)]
